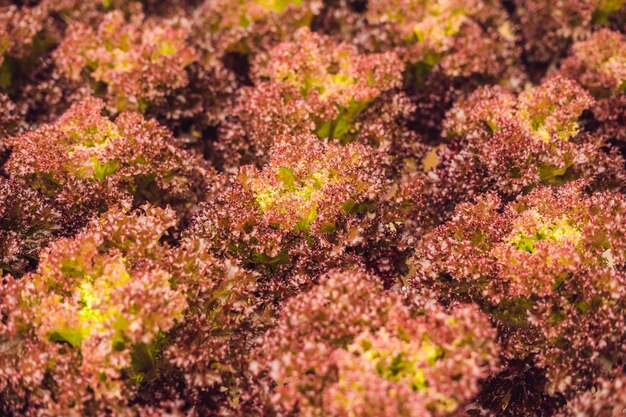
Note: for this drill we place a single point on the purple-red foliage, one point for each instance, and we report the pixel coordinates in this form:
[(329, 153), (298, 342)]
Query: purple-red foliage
[(465, 38), (139, 60), (18, 27), (11, 119), (346, 348), (608, 399), (28, 223), (599, 63), (314, 85), (511, 144), (420, 208), (311, 202), (85, 162), (250, 26), (548, 27), (224, 315), (80, 333), (549, 266)]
